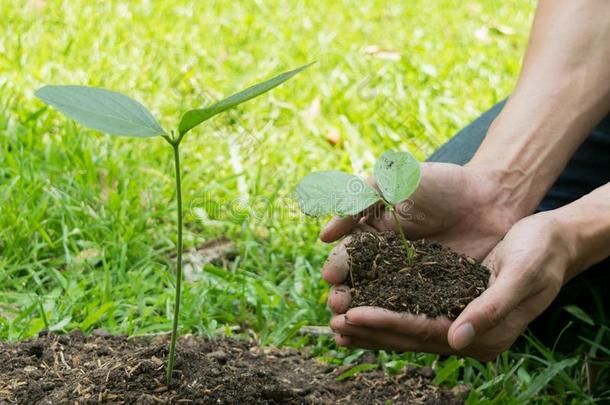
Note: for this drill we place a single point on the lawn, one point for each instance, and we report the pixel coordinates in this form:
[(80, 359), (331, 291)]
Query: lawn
[(87, 220)]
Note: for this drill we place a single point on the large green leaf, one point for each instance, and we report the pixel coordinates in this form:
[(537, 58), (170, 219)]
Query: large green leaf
[(193, 118), (397, 175), (334, 192), (101, 109)]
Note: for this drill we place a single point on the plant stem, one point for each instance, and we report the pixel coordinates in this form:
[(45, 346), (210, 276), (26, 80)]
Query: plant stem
[(408, 246), (172, 346)]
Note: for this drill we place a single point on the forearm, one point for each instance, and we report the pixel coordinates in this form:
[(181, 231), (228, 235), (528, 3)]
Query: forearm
[(562, 93), (585, 224)]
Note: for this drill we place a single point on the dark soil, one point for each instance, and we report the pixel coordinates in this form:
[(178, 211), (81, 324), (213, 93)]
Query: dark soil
[(74, 369), (438, 282)]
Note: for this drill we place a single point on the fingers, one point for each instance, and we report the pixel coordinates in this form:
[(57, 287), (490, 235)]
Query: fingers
[(339, 299), (340, 324), (397, 343), (344, 341), (338, 227), (336, 268), (383, 220), (375, 339), (488, 310), (369, 338), (416, 326)]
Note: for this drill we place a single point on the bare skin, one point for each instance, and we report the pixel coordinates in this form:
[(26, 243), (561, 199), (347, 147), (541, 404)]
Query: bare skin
[(484, 209), (472, 223), (525, 279)]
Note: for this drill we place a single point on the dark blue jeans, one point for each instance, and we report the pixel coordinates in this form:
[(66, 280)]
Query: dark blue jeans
[(588, 169)]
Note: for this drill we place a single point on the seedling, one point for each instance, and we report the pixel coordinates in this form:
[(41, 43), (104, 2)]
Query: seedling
[(117, 114), (334, 192)]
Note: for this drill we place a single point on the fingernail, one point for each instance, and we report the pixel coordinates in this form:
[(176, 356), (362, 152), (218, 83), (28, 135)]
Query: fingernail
[(347, 320), (463, 336), (346, 340)]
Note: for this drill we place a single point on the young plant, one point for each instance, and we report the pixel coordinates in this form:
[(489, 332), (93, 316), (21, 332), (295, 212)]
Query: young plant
[(334, 192), (117, 114)]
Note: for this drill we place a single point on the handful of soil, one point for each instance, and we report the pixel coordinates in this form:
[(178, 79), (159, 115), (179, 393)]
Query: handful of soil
[(438, 282)]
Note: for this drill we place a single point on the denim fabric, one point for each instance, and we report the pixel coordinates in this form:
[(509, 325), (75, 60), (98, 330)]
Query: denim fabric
[(588, 169)]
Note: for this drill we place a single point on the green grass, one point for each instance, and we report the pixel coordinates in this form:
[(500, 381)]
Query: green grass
[(87, 221)]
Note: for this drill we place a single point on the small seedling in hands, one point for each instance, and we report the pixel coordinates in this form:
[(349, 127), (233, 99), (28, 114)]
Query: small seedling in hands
[(117, 114), (334, 192)]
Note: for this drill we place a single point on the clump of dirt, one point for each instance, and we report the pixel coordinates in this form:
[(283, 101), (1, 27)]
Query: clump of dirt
[(70, 369), (438, 281)]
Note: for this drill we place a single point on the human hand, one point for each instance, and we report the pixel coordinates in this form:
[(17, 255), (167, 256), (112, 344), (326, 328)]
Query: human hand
[(462, 207), (528, 269)]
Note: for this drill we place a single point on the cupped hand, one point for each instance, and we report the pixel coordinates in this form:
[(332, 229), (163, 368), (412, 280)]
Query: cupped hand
[(528, 268), (461, 207)]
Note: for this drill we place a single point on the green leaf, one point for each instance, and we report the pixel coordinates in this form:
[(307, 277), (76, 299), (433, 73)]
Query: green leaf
[(397, 175), (95, 317), (595, 346), (357, 370), (192, 118), (101, 109), (449, 368), (61, 325), (580, 314), (544, 378), (334, 192)]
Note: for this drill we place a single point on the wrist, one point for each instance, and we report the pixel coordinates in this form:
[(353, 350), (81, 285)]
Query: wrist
[(564, 243), (501, 190), (526, 149), (585, 226)]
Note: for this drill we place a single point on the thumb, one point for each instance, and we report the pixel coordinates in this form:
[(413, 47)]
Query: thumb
[(486, 311), (338, 227)]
